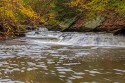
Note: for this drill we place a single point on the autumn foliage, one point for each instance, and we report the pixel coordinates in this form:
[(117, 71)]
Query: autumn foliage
[(14, 13)]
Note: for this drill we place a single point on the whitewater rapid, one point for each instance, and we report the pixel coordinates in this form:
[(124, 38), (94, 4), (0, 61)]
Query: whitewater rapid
[(76, 39)]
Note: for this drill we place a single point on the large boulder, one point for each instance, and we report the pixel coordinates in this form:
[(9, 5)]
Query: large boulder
[(92, 24), (83, 24)]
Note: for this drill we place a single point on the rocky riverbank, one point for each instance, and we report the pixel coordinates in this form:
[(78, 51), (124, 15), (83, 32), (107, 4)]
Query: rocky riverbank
[(103, 22)]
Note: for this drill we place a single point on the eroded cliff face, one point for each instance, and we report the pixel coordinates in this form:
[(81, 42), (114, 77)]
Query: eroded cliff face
[(112, 23), (108, 22)]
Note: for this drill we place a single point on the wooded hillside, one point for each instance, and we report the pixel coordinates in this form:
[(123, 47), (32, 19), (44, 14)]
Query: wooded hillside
[(85, 15)]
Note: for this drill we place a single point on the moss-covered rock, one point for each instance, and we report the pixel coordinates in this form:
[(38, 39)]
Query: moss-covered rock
[(94, 23), (85, 24), (67, 23)]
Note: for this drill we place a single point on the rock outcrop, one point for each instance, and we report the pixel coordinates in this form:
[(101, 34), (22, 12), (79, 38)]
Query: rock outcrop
[(112, 23), (108, 22)]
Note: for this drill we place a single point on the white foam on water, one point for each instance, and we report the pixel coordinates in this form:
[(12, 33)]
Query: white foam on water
[(78, 39)]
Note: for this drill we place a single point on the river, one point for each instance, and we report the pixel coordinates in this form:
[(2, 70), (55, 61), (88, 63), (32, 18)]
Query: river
[(63, 57)]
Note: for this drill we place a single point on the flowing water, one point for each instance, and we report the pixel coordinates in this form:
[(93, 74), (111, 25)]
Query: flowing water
[(68, 57)]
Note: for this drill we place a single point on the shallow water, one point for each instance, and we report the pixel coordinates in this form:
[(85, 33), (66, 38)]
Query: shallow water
[(55, 57)]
